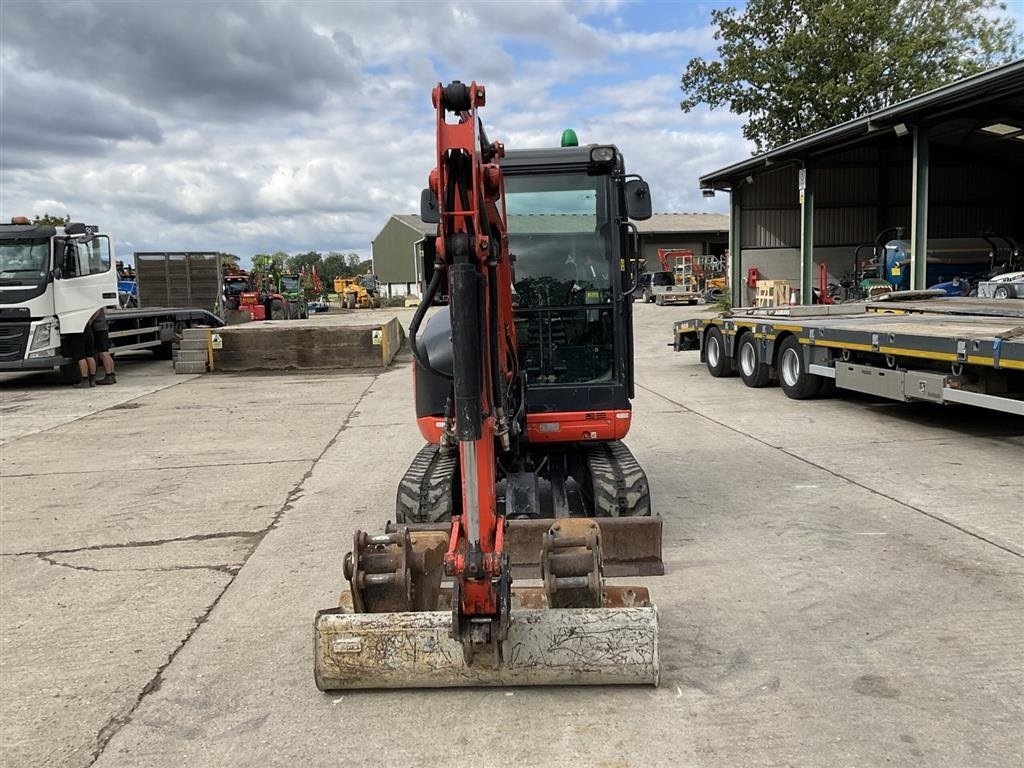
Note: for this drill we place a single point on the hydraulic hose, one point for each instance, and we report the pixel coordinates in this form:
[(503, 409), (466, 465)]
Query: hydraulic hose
[(417, 320)]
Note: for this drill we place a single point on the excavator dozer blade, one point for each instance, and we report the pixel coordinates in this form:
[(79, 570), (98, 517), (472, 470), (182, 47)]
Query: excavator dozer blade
[(545, 646), (631, 545)]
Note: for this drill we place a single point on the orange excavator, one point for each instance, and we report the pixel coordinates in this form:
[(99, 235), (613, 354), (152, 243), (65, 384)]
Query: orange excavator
[(523, 392)]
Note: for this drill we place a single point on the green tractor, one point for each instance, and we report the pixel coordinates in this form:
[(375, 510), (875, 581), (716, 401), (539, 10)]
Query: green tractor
[(280, 292), (290, 286)]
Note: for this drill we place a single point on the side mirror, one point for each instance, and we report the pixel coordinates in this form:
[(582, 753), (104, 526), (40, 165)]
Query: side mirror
[(638, 200), (428, 207), (82, 232)]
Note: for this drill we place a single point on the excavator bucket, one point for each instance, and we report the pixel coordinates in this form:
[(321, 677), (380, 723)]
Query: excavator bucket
[(394, 628), (614, 644)]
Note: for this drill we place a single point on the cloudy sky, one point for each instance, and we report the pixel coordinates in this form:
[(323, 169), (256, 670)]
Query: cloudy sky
[(248, 127)]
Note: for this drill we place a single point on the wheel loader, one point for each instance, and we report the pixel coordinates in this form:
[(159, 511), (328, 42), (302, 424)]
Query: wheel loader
[(522, 391), (358, 292)]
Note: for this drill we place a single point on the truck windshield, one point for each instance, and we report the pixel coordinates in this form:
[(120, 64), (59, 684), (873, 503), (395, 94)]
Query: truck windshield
[(289, 283), (24, 262), (559, 236)]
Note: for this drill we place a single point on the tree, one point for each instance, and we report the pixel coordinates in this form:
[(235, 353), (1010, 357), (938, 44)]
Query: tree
[(794, 67), (47, 220), (334, 265), (301, 261), (229, 262)]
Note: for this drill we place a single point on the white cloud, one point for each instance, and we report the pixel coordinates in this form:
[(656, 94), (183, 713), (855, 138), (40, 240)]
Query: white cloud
[(296, 126)]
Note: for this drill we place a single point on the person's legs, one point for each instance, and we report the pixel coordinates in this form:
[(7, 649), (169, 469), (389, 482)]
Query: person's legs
[(74, 346), (90, 356), (102, 343)]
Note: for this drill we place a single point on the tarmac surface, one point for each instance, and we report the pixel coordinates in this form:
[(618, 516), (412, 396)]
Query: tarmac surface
[(844, 586)]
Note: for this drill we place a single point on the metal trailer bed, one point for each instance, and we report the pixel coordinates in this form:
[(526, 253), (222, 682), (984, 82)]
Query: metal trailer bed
[(154, 328), (907, 348)]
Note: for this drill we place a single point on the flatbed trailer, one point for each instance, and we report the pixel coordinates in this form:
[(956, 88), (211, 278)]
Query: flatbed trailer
[(906, 347), (155, 328)]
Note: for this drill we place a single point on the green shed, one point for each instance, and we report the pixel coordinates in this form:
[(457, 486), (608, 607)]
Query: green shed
[(397, 253)]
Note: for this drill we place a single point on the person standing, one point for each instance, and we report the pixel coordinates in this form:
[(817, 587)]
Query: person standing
[(101, 343)]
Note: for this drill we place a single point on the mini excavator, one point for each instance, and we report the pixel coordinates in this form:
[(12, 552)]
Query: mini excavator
[(523, 391)]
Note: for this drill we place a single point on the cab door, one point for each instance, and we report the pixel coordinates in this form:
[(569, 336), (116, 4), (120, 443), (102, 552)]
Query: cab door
[(84, 280)]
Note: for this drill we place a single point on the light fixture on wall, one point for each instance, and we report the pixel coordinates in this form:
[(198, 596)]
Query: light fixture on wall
[(901, 129), (708, 192)]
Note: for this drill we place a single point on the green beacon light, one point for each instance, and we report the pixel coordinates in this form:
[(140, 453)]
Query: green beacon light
[(569, 138)]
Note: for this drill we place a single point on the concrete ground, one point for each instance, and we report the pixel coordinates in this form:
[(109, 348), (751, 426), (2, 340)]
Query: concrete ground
[(844, 583)]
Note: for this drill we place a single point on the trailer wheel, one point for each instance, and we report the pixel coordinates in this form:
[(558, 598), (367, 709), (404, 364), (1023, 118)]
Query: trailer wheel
[(795, 380), (715, 358), (753, 373)]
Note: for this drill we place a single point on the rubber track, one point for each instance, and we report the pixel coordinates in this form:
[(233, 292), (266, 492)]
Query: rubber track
[(619, 482), (425, 492)]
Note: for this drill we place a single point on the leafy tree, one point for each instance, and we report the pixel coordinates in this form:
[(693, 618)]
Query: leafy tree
[(305, 260), (334, 265), (794, 67), (229, 261), (47, 220)]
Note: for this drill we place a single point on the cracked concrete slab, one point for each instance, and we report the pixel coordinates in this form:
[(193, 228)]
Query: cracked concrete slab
[(797, 628), (78, 647), (225, 552), (71, 511), (216, 420), (85, 633), (36, 402), (805, 618)]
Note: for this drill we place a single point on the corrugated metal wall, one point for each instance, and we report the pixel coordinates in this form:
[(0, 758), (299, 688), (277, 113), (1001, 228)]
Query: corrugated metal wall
[(859, 192)]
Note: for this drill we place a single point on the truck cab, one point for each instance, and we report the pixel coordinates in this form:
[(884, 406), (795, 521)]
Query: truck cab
[(53, 280)]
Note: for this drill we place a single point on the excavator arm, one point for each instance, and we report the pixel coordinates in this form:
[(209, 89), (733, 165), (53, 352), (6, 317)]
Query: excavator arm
[(472, 247)]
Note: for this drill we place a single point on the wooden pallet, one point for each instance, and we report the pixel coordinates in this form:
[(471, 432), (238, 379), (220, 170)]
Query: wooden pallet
[(772, 293)]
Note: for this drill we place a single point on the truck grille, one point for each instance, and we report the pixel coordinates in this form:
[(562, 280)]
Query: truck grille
[(13, 339)]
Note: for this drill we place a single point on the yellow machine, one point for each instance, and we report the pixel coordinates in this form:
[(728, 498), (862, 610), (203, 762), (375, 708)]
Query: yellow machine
[(358, 292)]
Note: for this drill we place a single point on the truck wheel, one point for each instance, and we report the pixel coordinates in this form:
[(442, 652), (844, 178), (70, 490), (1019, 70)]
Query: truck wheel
[(648, 297), (795, 380), (692, 302), (715, 358), (278, 311), (753, 373), (658, 301), (374, 303), (1001, 292)]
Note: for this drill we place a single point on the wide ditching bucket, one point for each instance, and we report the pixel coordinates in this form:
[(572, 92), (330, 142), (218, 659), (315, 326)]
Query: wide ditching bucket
[(612, 640)]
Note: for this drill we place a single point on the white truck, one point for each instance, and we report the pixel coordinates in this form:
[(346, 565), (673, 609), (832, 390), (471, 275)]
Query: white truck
[(53, 280)]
